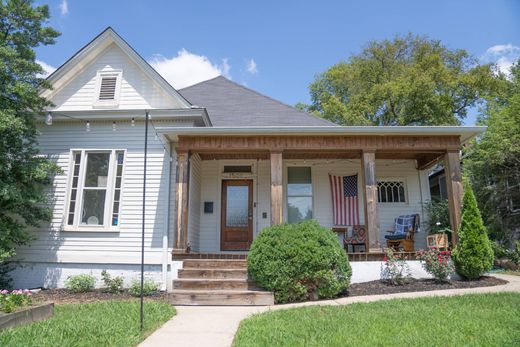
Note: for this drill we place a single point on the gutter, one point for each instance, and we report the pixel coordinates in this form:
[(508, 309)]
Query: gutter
[(465, 132)]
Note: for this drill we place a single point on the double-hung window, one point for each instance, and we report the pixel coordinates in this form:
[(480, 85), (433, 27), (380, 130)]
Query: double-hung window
[(299, 194), (95, 189)]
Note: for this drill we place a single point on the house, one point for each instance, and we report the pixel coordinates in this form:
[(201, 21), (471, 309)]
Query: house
[(223, 162)]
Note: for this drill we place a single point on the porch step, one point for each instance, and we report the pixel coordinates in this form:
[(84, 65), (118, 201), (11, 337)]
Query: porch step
[(214, 264), (215, 284), (221, 297), (213, 273)]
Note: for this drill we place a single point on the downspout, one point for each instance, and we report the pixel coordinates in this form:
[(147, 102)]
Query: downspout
[(166, 230)]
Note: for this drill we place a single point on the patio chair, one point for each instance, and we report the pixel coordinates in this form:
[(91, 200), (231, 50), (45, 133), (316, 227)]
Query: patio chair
[(402, 236), (358, 238)]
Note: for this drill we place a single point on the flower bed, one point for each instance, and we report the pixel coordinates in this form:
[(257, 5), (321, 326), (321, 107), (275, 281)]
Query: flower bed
[(12, 300)]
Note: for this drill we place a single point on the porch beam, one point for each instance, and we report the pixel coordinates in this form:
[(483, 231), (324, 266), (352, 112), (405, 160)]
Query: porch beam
[(182, 186), (370, 191), (455, 190), (323, 143), (276, 187)]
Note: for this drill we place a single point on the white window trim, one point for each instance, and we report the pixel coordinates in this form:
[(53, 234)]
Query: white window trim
[(285, 183), (395, 179), (109, 200), (107, 103)]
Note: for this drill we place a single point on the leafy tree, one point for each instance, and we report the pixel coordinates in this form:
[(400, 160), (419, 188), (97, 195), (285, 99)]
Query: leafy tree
[(473, 254), (409, 80), (23, 174), (493, 161)]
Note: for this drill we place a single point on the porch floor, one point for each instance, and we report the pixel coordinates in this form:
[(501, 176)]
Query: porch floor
[(357, 256)]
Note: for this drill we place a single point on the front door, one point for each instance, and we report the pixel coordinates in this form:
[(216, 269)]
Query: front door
[(236, 232)]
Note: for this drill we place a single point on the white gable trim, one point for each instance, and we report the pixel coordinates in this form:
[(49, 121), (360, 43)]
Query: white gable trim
[(66, 72)]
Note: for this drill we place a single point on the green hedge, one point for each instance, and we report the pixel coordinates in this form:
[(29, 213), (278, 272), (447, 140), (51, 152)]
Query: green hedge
[(299, 262), (473, 255)]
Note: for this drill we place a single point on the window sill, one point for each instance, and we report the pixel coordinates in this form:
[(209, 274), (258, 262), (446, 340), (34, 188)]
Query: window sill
[(92, 229)]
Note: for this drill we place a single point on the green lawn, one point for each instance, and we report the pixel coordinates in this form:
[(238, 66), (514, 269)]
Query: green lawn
[(109, 323), (470, 320)]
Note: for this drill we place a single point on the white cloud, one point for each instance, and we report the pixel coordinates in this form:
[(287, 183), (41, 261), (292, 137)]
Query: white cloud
[(251, 67), (64, 7), (188, 68), (48, 69), (503, 56)]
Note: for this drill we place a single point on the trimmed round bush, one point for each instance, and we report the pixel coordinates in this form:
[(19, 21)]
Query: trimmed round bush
[(473, 255), (299, 262), (80, 283)]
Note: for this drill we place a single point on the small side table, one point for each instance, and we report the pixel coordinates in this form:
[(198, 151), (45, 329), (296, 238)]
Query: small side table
[(438, 241)]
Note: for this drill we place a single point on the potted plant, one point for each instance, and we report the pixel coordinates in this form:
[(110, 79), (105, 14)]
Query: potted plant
[(439, 220)]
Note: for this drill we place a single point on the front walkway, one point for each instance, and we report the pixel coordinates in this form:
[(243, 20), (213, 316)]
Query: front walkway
[(217, 325)]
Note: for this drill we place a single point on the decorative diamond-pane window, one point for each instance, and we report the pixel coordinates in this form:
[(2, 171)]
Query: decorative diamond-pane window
[(391, 191)]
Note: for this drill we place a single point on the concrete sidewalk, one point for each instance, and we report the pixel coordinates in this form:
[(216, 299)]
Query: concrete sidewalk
[(216, 325)]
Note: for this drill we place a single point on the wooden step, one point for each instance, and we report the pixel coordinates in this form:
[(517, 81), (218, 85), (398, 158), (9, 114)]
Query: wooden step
[(221, 297), (214, 264), (213, 284), (213, 273)]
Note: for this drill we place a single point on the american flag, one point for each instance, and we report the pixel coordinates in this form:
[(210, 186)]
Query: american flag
[(344, 192)]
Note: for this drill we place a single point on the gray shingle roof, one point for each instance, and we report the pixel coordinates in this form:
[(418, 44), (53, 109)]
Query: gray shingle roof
[(230, 104)]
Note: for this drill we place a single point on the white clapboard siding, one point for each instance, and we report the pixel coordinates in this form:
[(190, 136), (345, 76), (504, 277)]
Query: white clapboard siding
[(137, 90), (209, 236), (52, 244)]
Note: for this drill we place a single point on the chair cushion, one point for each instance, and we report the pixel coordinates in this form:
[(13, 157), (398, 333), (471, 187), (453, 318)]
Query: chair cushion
[(395, 237)]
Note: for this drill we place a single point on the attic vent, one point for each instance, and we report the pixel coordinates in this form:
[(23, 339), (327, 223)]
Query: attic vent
[(107, 90)]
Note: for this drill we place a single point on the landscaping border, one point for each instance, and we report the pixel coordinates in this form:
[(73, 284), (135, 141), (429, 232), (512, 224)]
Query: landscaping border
[(26, 315)]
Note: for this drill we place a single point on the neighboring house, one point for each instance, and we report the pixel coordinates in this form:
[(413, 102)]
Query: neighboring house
[(224, 162)]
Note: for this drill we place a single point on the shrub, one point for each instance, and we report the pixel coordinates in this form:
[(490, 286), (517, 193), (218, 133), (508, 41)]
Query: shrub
[(438, 215), (473, 254), (299, 262), (113, 285), (149, 288), (437, 263), (9, 301), (394, 270), (80, 283)]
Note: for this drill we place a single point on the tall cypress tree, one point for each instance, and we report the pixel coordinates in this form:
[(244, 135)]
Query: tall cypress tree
[(473, 254)]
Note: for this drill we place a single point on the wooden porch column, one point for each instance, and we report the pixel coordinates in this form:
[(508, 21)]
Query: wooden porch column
[(370, 191), (276, 188), (182, 178), (455, 190)]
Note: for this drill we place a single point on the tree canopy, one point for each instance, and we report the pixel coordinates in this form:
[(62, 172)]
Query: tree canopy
[(409, 80), (493, 160), (23, 173)]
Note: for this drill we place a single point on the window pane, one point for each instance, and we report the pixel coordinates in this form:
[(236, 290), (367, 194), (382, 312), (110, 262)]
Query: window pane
[(237, 206), (299, 208), (97, 169), (93, 207), (299, 181)]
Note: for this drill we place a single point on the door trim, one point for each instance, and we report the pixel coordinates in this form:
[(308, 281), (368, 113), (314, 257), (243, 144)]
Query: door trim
[(223, 201)]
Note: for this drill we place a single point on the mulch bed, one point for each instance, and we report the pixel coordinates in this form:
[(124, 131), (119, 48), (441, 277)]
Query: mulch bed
[(418, 285), (64, 296)]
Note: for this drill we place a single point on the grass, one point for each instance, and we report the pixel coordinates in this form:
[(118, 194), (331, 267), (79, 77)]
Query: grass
[(109, 323), (469, 320)]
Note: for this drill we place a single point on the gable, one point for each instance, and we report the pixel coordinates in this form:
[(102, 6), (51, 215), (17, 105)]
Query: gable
[(108, 74)]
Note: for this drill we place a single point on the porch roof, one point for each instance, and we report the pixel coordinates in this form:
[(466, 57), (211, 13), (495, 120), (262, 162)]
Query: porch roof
[(465, 133)]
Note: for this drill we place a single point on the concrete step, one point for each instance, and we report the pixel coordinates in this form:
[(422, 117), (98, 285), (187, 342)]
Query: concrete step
[(214, 264), (213, 284), (213, 273), (221, 297)]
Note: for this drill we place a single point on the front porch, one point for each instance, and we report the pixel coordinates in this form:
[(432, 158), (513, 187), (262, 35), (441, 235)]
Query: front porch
[(250, 176)]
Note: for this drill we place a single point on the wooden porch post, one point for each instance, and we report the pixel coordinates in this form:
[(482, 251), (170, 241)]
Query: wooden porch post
[(455, 190), (276, 188), (182, 178), (370, 191)]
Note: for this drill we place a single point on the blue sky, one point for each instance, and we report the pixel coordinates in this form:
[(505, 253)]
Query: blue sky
[(277, 47)]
